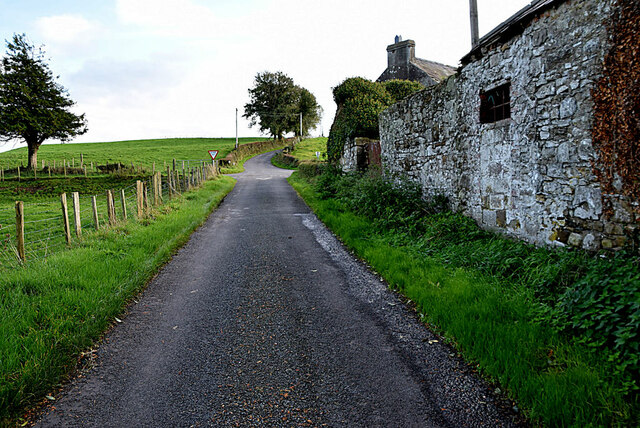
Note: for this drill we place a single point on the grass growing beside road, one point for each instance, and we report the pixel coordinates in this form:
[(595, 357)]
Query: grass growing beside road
[(492, 298), (306, 149), (52, 310), (247, 151)]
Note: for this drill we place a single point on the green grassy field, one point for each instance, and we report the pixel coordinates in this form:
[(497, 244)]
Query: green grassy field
[(139, 152), (306, 149), (41, 195)]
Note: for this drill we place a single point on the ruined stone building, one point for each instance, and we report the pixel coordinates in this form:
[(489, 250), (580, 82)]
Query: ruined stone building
[(402, 63), (508, 138)]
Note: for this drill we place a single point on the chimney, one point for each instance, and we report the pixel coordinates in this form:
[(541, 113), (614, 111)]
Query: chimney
[(401, 52)]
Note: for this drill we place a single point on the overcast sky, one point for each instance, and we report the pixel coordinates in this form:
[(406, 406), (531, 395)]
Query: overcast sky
[(179, 68)]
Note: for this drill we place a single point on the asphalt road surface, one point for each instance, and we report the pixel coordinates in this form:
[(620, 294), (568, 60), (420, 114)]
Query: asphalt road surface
[(263, 319)]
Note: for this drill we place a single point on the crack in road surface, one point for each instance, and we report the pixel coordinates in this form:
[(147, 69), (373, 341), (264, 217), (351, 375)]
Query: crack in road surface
[(264, 319)]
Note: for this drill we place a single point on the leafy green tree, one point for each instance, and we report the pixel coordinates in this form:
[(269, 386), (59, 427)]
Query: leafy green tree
[(33, 106), (306, 104), (276, 103)]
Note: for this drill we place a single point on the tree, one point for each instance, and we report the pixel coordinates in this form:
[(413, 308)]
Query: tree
[(276, 103), (306, 105), (33, 106)]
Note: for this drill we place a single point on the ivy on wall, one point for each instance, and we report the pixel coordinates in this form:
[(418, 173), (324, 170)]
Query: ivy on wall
[(616, 126), (360, 101)]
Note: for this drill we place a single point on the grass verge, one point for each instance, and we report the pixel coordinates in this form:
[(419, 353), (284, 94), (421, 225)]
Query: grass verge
[(306, 149), (284, 161), (247, 151), (52, 310), (491, 317), (305, 152)]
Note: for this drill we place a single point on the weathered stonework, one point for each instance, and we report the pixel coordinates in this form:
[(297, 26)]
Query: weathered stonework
[(529, 175), (355, 156)]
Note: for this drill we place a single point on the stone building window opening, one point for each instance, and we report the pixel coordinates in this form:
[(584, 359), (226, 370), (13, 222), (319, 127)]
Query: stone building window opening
[(495, 104)]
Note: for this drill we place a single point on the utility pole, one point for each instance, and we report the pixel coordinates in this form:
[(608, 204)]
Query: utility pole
[(236, 128), (473, 11), (300, 126)]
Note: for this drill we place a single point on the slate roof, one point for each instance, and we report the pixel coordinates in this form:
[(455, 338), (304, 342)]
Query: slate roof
[(435, 70), (417, 69), (511, 27)]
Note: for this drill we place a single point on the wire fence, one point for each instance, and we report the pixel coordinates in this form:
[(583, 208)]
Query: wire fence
[(34, 231)]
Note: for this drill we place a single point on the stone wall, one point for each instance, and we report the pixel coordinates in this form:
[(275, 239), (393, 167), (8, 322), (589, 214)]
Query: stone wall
[(358, 154), (530, 175)]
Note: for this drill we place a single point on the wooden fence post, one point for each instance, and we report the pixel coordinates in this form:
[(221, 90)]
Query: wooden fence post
[(75, 199), (20, 229), (139, 198), (169, 189), (111, 209), (174, 164), (154, 188), (158, 191), (94, 206), (65, 168), (145, 197), (18, 172), (123, 198), (65, 218)]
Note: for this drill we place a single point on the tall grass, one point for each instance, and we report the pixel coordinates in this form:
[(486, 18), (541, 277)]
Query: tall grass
[(52, 310), (493, 298)]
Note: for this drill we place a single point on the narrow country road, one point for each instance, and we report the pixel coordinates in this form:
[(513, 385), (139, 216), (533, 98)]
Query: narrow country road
[(263, 319)]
